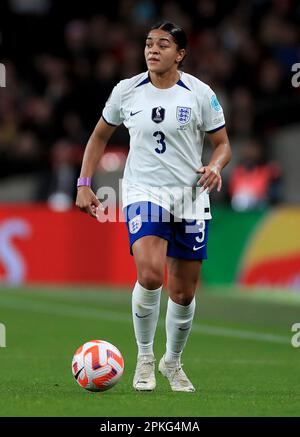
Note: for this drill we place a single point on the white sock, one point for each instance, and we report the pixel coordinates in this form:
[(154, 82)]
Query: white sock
[(178, 326), (145, 312)]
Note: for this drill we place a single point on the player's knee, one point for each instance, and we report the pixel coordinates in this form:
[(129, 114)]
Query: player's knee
[(151, 277), (183, 300), (182, 296)]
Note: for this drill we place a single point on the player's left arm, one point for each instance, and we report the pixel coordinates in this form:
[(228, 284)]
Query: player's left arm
[(211, 173)]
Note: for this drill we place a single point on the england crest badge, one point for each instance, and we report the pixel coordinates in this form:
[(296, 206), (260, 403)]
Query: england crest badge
[(183, 114), (135, 224)]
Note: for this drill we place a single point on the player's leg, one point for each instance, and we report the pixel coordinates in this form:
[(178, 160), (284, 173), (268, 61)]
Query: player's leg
[(150, 258), (185, 255), (149, 231), (183, 276)]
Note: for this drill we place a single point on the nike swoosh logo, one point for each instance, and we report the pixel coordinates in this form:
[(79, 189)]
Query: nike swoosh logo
[(184, 329), (78, 373), (134, 113), (197, 248), (142, 317)]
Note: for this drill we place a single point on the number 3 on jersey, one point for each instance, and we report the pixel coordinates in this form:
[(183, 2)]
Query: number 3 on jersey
[(161, 141)]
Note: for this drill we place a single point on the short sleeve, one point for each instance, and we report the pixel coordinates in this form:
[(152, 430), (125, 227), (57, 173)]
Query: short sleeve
[(212, 113), (112, 113)]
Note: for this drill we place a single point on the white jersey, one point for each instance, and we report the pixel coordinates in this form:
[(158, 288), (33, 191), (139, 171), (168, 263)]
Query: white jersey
[(167, 128)]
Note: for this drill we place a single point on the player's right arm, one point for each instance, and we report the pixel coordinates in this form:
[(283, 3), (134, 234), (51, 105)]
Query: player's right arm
[(86, 199)]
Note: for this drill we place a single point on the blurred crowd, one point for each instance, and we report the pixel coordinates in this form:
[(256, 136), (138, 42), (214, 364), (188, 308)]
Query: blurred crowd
[(62, 62)]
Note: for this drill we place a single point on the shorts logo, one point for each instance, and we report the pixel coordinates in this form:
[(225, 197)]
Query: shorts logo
[(197, 248), (135, 224), (183, 114), (158, 114)]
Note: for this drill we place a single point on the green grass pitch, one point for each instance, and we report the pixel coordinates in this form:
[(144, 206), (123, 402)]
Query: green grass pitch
[(239, 355)]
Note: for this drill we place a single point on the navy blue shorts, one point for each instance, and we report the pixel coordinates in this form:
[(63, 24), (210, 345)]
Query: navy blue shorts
[(187, 239)]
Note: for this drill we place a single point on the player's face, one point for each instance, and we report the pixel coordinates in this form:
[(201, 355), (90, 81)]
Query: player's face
[(161, 52)]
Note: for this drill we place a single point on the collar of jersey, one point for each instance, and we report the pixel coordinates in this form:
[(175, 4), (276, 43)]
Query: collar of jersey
[(148, 80)]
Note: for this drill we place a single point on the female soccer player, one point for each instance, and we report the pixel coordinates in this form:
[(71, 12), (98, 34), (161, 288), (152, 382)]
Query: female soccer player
[(165, 192)]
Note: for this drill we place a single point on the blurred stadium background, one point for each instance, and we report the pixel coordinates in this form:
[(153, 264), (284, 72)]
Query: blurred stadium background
[(60, 68), (62, 60)]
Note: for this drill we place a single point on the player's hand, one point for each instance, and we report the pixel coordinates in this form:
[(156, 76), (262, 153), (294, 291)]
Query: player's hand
[(210, 178), (87, 201)]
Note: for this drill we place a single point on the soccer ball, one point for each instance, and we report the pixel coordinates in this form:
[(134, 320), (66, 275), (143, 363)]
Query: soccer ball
[(97, 365)]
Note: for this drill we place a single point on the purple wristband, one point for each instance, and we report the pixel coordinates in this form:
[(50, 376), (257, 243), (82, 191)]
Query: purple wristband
[(84, 182)]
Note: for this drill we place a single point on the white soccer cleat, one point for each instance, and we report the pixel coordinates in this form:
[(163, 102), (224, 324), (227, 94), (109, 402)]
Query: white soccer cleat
[(144, 377), (176, 376)]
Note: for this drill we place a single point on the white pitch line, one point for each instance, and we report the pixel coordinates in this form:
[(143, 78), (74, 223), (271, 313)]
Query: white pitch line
[(67, 310), (238, 333)]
